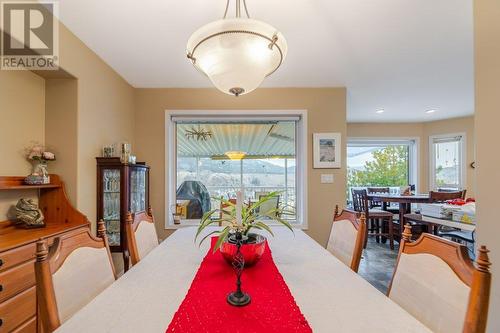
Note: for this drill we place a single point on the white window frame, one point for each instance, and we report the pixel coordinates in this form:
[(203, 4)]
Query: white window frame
[(463, 158), (301, 185), (414, 158)]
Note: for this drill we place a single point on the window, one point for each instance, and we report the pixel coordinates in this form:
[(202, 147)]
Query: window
[(201, 168), (447, 156), (381, 163)]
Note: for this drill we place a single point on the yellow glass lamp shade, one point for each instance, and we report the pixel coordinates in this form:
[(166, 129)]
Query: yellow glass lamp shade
[(235, 155)]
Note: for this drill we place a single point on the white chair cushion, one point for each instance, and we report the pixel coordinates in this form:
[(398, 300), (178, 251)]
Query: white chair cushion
[(85, 273), (145, 238), (342, 241), (426, 287)]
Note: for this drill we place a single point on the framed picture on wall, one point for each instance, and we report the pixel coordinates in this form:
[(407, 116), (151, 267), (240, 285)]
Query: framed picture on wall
[(326, 150)]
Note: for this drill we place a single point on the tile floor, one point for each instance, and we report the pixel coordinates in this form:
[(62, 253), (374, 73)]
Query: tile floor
[(377, 264)]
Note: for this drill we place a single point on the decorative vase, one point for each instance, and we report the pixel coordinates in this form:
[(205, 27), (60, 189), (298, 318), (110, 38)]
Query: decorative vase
[(252, 249), (40, 169)]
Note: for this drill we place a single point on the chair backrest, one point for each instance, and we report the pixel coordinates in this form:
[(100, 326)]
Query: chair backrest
[(272, 203), (225, 206), (347, 237), (378, 190), (360, 201), (258, 194), (76, 269), (441, 196), (141, 234), (436, 282)]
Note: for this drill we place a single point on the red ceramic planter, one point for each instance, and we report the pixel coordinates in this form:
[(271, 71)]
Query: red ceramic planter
[(252, 249)]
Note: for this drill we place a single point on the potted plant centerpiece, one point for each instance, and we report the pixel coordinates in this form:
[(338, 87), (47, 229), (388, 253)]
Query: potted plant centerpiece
[(244, 218)]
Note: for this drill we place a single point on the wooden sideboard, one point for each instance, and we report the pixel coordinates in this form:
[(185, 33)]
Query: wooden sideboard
[(18, 305)]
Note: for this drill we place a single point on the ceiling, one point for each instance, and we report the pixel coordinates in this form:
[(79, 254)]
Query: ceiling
[(402, 56)]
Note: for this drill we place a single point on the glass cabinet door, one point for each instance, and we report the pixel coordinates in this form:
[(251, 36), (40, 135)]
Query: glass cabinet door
[(138, 190), (111, 204)]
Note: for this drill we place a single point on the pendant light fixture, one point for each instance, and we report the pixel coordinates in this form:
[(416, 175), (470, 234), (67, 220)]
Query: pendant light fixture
[(237, 53)]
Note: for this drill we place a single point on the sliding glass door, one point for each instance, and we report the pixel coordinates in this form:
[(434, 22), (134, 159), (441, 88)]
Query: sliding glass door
[(216, 159)]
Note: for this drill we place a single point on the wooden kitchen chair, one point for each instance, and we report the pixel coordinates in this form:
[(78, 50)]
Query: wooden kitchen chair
[(373, 217), (141, 234), (436, 282), (442, 196), (347, 237), (76, 268)]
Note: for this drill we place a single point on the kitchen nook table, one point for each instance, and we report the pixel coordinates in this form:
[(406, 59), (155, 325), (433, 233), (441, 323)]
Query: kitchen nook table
[(331, 296), (404, 202)]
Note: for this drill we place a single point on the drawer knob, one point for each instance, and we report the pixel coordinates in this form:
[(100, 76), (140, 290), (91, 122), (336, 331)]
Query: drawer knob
[(1, 287), (1, 321), (1, 262)]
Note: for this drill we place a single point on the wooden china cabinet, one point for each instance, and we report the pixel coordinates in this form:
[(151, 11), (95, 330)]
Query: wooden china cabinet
[(18, 300), (121, 188)]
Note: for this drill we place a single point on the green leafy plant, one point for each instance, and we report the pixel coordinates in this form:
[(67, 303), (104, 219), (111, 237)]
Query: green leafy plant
[(252, 217)]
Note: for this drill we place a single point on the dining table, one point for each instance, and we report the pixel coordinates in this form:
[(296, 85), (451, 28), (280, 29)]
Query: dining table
[(331, 296), (404, 202), (435, 223)]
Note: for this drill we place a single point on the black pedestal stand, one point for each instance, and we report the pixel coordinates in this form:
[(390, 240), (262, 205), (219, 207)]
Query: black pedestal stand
[(238, 297)]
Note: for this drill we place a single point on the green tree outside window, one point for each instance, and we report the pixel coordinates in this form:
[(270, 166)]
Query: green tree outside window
[(389, 167)]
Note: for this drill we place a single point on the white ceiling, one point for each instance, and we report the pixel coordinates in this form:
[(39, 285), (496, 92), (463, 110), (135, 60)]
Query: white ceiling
[(403, 56)]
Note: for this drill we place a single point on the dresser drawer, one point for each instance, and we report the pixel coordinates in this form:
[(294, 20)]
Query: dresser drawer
[(17, 310), (17, 279), (16, 256), (27, 327)]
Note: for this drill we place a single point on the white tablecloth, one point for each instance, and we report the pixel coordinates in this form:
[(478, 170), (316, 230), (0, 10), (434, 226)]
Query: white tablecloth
[(329, 294)]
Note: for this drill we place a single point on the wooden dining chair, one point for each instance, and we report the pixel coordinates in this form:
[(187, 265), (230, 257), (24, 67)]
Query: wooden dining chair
[(377, 190), (76, 268), (385, 206), (225, 206), (347, 237), (436, 282), (272, 204), (442, 196), (141, 234), (373, 217)]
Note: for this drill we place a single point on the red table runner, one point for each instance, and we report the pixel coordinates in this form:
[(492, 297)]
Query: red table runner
[(205, 309)]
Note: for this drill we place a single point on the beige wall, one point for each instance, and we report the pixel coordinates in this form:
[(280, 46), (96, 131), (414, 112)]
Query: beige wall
[(61, 128), (22, 112), (97, 110), (422, 131), (487, 71), (326, 112), (105, 112), (22, 120)]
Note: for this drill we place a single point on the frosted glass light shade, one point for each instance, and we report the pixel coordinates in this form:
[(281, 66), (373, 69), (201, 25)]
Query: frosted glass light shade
[(237, 54)]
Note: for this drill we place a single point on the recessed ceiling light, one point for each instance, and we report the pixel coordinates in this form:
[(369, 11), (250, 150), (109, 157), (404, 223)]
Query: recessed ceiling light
[(380, 111), (430, 111)]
